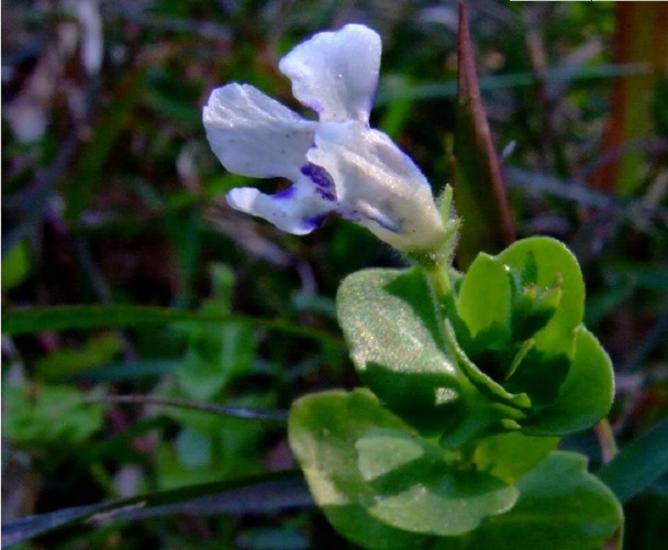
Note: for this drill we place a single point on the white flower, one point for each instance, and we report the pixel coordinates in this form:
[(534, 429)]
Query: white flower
[(337, 164)]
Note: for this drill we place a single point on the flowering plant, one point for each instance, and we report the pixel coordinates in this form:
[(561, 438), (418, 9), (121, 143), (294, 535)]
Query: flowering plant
[(471, 378)]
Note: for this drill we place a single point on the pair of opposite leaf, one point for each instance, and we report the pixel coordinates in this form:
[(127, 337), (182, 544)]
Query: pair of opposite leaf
[(466, 372)]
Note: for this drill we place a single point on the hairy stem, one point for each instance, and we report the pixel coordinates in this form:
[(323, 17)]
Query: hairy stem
[(437, 277)]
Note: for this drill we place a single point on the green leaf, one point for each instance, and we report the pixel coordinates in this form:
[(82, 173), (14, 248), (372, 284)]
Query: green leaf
[(15, 265), (380, 453), (49, 415), (390, 323), (483, 382), (217, 354), (395, 87), (553, 262), (333, 477), (405, 356), (511, 455), (585, 396), (539, 374), (193, 448), (65, 362), (484, 296), (453, 505), (561, 507), (43, 319), (174, 108), (371, 473), (521, 309), (639, 464)]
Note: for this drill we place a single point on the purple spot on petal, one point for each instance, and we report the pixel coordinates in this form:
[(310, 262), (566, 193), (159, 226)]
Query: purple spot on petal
[(314, 221), (286, 193), (317, 175), (320, 177), (327, 195)]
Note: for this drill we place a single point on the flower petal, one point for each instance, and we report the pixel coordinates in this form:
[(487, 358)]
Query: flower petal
[(254, 135), (336, 73), (377, 185), (299, 209)]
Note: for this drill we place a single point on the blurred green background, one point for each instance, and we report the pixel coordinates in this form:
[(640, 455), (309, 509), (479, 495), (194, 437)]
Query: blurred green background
[(111, 197)]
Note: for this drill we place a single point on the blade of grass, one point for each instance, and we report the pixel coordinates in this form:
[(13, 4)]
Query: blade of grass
[(128, 370), (639, 464), (539, 184), (267, 493), (391, 89), (82, 317), (479, 189), (245, 413)]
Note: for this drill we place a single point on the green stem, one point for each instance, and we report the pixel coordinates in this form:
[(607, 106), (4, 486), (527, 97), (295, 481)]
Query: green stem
[(437, 276), (439, 280)]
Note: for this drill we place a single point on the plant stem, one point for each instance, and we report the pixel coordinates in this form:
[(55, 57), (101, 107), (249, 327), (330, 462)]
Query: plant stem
[(606, 439), (439, 281), (437, 276), (245, 413)]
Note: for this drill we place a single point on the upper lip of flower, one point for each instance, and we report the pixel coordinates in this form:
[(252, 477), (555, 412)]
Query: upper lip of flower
[(335, 164)]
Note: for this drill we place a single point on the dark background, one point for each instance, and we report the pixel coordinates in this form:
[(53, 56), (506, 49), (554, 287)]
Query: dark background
[(112, 196)]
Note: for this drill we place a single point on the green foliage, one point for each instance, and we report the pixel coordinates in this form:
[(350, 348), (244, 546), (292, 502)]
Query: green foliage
[(63, 363), (484, 298), (15, 265), (31, 320), (585, 395), (638, 465), (383, 486), (555, 265), (367, 462), (510, 455), (561, 506), (516, 332), (390, 323), (49, 415), (209, 448), (495, 368), (216, 354)]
